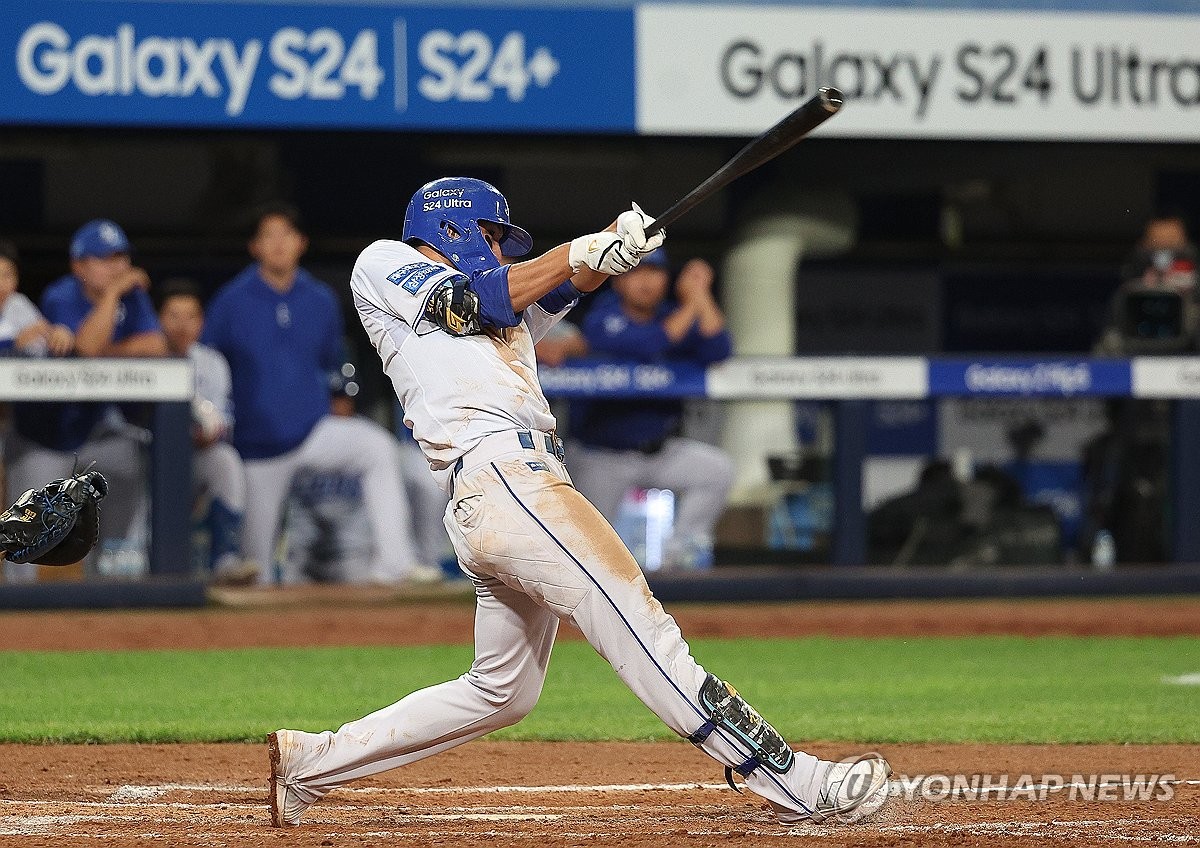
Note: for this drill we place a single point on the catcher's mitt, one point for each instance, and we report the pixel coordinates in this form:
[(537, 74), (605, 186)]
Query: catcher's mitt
[(57, 524)]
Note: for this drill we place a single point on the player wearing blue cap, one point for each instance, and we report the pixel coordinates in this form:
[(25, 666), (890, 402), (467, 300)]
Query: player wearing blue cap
[(454, 325), (640, 443), (103, 301)]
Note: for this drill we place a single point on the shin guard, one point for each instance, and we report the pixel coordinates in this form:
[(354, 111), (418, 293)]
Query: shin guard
[(727, 710)]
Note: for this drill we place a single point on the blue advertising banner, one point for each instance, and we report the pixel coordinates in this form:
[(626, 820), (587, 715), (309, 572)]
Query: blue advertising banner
[(594, 378), (308, 66), (1030, 377)]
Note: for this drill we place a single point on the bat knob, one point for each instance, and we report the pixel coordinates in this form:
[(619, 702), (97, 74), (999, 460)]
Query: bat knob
[(831, 98)]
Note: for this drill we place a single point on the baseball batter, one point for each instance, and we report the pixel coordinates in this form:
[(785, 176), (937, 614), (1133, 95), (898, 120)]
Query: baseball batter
[(455, 327)]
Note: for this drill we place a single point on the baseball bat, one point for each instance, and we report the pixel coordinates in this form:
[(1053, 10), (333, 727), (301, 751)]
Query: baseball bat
[(804, 119)]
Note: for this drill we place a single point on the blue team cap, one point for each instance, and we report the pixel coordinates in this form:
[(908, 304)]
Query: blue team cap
[(656, 258), (101, 238)]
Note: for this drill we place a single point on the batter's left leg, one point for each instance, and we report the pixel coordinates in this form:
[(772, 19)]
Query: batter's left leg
[(513, 638)]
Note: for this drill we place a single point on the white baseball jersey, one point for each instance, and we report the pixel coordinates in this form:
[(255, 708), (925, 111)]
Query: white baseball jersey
[(454, 390)]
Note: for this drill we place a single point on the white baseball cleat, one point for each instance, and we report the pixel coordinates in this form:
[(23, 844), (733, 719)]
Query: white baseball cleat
[(232, 570), (851, 790), (286, 803)]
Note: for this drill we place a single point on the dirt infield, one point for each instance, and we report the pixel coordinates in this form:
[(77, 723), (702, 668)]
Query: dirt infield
[(521, 794), (658, 795)]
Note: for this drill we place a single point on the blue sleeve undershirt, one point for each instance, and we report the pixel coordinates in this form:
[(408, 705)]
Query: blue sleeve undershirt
[(562, 297), (495, 300)]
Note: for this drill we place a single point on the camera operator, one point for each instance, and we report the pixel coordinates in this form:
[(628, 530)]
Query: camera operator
[(1154, 311), (1155, 308)]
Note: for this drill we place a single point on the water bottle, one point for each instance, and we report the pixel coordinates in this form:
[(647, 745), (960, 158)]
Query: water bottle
[(1104, 551), (701, 546), (121, 559)]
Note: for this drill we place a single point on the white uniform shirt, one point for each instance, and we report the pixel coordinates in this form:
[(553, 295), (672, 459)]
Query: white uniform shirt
[(17, 313), (454, 390), (213, 383)]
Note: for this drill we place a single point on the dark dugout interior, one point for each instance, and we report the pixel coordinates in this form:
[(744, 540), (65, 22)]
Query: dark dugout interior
[(1023, 239)]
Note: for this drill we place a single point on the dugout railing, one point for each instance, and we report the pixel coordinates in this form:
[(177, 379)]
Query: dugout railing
[(848, 384)]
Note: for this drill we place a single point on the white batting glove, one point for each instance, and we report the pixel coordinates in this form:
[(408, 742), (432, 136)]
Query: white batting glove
[(603, 252), (631, 227)]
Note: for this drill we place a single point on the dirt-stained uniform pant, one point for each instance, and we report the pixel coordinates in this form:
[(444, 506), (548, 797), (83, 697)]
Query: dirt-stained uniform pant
[(537, 552)]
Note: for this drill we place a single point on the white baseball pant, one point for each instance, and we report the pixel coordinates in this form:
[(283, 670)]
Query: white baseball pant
[(428, 503), (537, 552), (219, 475), (336, 443)]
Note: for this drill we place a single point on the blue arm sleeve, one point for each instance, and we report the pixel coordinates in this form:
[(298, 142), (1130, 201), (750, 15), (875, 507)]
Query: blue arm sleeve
[(556, 301), (495, 303), (139, 314)]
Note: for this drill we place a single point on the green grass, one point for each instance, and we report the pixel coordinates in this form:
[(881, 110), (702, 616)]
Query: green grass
[(981, 689)]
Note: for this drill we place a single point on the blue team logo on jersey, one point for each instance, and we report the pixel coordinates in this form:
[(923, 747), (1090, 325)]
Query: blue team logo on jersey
[(411, 277)]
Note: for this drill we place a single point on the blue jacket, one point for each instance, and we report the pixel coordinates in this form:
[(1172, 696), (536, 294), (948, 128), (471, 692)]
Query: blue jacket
[(640, 423), (281, 349)]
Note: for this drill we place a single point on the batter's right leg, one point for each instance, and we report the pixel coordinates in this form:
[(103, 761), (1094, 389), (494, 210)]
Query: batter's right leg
[(513, 638), (541, 532)]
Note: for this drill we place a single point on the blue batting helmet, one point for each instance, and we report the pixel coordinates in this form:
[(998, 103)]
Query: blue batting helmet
[(445, 215)]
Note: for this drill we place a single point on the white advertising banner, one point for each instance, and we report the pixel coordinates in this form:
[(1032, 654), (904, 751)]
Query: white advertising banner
[(736, 70), (1166, 376), (96, 379), (819, 378)]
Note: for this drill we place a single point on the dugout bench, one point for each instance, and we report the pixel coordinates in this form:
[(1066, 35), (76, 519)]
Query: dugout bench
[(849, 383)]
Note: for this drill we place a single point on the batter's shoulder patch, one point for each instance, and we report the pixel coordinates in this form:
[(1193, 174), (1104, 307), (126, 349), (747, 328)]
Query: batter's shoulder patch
[(412, 276)]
